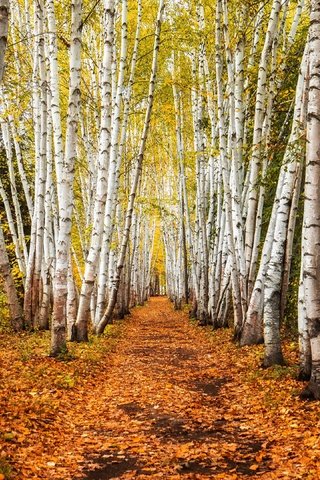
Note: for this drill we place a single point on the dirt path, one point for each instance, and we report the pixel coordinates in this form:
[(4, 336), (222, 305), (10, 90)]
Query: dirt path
[(173, 401), (177, 410), (170, 393)]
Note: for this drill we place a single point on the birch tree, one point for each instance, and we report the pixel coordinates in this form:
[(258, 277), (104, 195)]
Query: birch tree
[(117, 147), (311, 219), (65, 178), (15, 310), (257, 129), (274, 272), (104, 172), (33, 292)]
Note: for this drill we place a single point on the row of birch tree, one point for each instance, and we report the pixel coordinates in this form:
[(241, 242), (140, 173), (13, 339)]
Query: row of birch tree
[(245, 100), (76, 105)]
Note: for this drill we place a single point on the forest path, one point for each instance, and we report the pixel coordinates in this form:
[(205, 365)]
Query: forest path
[(176, 407), (173, 412), (165, 400)]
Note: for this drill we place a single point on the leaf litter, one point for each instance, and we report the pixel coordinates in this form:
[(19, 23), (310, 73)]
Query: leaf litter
[(169, 400)]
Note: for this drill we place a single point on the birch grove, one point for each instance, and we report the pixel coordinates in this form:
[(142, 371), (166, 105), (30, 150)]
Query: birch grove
[(161, 148), (5, 268)]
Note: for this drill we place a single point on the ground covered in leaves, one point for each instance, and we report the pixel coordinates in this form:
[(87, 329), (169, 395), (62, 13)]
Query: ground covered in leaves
[(157, 397)]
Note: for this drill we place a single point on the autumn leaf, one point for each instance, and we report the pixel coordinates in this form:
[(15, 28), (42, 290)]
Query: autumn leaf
[(121, 412)]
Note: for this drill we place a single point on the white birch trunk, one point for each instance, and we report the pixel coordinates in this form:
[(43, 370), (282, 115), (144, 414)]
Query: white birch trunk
[(290, 242), (55, 94), (33, 291), (22, 173), (311, 220), (274, 272), (255, 163), (125, 96), (104, 173), (12, 228), (304, 337), (238, 313), (72, 303), (65, 179)]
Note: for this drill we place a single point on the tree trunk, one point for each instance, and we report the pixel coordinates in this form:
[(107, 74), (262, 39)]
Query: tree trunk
[(103, 178), (311, 220), (274, 273), (255, 163), (65, 191), (15, 310)]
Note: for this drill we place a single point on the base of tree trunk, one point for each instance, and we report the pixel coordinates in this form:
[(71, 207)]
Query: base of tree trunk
[(251, 335), (202, 323), (193, 312), (17, 324), (251, 340), (237, 334), (79, 334), (218, 326), (177, 304), (43, 328), (82, 337), (58, 352), (275, 359), (203, 320), (304, 374), (73, 333), (311, 392), (99, 328)]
